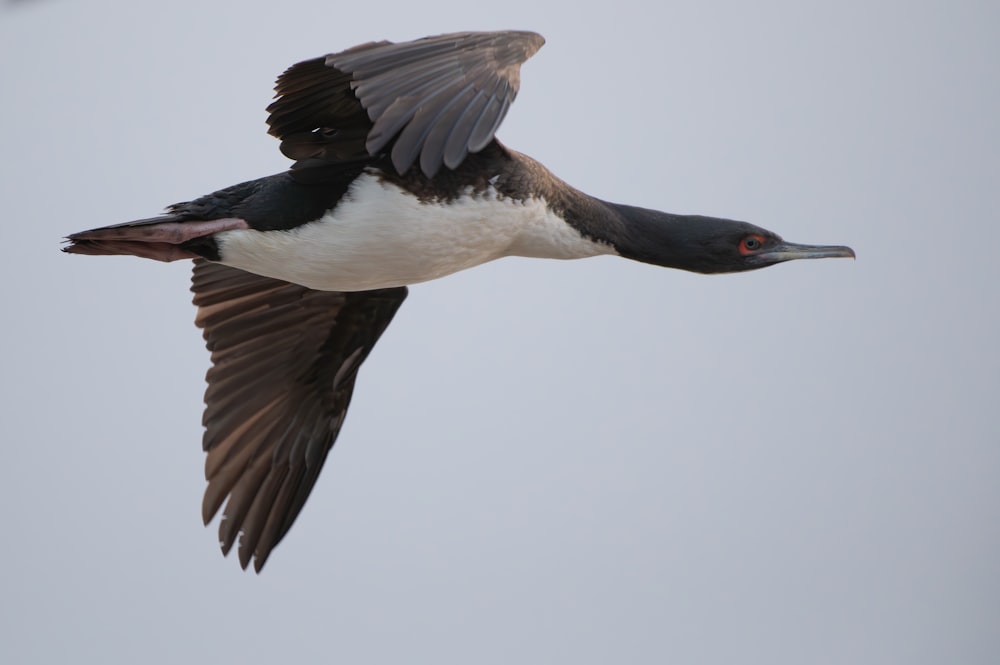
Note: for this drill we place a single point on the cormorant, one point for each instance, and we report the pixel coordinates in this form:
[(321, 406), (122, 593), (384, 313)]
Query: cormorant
[(398, 179)]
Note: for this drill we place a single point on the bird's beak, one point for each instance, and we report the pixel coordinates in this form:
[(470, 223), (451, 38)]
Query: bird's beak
[(789, 251)]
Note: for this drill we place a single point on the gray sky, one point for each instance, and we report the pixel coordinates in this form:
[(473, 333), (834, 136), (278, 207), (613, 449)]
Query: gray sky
[(584, 462)]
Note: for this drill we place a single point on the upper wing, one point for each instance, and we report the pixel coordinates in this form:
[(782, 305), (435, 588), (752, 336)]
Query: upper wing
[(437, 98), (284, 361)]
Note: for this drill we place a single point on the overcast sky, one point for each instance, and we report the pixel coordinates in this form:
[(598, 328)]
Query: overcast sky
[(579, 462)]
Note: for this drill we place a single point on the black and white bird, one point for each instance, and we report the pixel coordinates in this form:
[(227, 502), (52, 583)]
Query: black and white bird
[(398, 179)]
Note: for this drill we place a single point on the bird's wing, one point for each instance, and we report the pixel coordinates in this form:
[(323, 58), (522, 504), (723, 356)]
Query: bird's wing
[(284, 362), (436, 99)]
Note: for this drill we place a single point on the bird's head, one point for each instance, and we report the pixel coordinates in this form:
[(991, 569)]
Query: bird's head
[(712, 245)]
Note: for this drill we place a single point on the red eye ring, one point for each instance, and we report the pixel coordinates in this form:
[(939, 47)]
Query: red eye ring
[(751, 244)]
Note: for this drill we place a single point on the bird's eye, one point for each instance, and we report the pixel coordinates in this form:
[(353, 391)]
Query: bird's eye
[(751, 244)]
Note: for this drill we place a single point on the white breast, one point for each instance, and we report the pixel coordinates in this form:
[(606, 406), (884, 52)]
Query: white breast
[(380, 235)]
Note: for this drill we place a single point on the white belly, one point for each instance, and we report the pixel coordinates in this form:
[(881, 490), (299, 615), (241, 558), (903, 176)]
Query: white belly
[(380, 235)]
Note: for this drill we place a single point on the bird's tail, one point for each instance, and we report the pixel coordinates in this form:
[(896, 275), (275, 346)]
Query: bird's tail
[(165, 238)]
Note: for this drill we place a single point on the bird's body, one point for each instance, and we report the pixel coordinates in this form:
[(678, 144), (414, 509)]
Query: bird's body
[(398, 180), (381, 234)]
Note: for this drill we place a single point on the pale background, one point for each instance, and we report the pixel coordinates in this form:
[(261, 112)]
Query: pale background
[(545, 462)]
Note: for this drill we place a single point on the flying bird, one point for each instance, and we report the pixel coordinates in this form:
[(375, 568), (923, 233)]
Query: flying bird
[(398, 178)]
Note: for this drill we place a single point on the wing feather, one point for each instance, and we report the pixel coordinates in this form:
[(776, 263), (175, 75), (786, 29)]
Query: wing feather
[(433, 100), (284, 360)]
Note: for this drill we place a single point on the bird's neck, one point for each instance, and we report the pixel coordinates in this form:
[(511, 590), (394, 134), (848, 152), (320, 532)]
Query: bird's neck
[(652, 236), (641, 234)]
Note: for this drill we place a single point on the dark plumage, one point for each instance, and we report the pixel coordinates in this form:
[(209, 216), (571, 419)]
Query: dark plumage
[(284, 360), (398, 178)]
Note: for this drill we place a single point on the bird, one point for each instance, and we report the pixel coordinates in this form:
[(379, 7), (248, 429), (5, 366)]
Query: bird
[(397, 178)]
